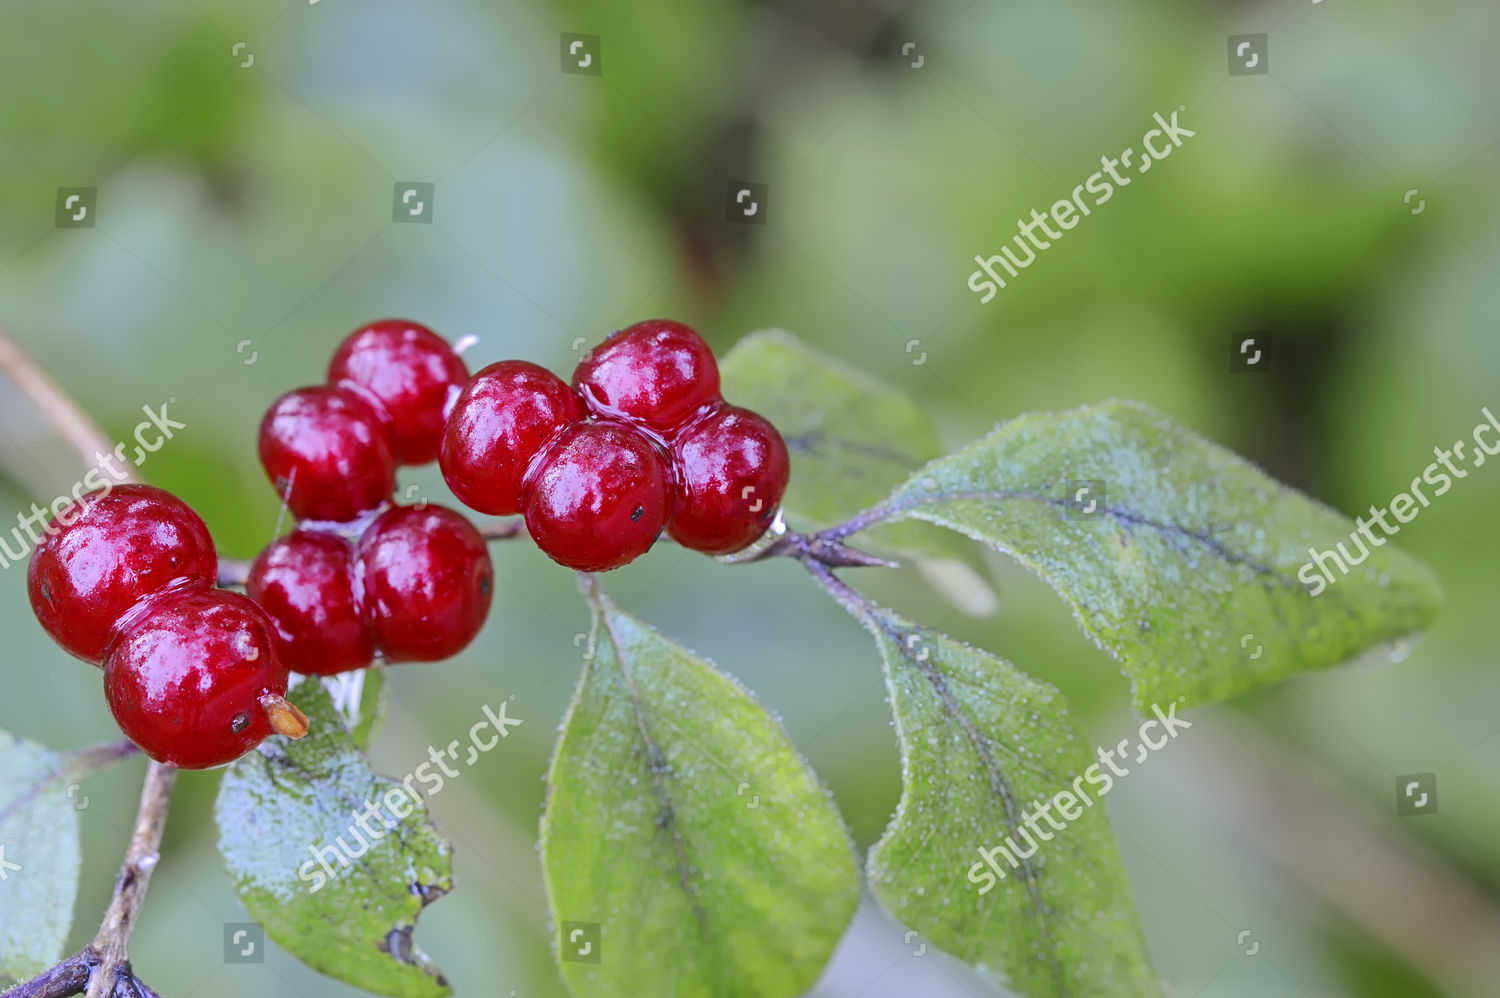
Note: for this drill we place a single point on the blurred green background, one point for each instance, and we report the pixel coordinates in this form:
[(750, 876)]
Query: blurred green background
[(244, 214)]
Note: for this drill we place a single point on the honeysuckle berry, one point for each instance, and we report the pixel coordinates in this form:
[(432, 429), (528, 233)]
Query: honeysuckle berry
[(328, 453), (656, 374), (731, 469), (599, 497), (194, 678), (305, 583), (427, 581), (506, 415), (410, 375), (103, 554)]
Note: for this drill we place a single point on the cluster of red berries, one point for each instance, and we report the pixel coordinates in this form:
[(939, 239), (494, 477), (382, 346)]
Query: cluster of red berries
[(125, 579), (641, 441), (197, 676), (359, 576), (331, 450)]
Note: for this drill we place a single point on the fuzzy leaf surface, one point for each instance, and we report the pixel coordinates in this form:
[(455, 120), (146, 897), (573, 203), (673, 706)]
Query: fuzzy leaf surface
[(288, 798), (685, 842), (1181, 559)]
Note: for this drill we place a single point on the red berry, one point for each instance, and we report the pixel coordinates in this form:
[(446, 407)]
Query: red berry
[(103, 554), (656, 373), (427, 582), (305, 583), (329, 447), (732, 468), (599, 497), (410, 373), (194, 679), (506, 416)]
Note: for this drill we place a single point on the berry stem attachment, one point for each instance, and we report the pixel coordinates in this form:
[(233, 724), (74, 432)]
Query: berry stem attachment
[(284, 716)]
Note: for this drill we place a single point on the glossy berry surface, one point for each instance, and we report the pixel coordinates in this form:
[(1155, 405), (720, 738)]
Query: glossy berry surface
[(305, 584), (503, 419), (410, 373), (101, 555), (191, 675), (656, 373), (731, 468), (599, 498), (327, 452), (427, 582)]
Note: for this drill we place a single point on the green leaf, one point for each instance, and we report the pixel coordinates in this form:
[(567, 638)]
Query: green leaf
[(981, 745), (1187, 568), (685, 842), (351, 915), (39, 858), (852, 438)]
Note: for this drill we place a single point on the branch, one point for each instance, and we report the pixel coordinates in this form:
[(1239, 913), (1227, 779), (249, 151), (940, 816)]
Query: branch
[(87, 761), (820, 548), (71, 422), (67, 978), (103, 967), (112, 944), (862, 520), (858, 606), (75, 765)]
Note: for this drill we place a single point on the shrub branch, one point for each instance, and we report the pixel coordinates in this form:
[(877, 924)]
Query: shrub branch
[(103, 967)]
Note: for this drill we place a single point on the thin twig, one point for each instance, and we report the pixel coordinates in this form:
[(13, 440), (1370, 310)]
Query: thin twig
[(85, 762), (75, 765), (113, 940), (503, 531), (109, 953), (862, 520), (233, 572), (70, 977), (71, 422), (858, 606), (819, 548)]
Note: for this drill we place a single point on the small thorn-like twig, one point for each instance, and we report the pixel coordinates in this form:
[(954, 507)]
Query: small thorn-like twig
[(233, 573), (503, 531), (90, 760)]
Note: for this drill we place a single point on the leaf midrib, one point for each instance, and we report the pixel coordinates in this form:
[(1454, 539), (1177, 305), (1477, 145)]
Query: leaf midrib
[(998, 785), (657, 764)]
